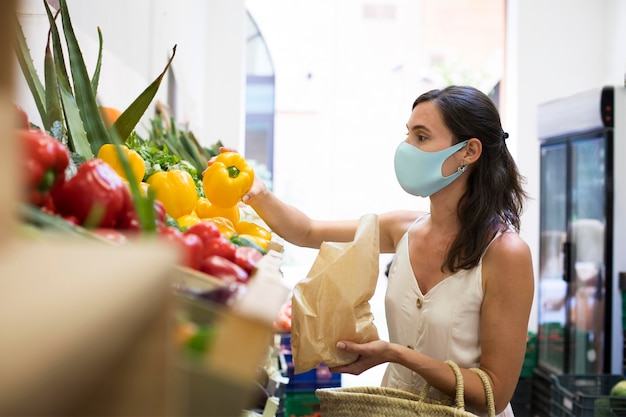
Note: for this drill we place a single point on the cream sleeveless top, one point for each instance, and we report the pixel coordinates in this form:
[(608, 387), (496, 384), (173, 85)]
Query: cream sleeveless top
[(444, 323)]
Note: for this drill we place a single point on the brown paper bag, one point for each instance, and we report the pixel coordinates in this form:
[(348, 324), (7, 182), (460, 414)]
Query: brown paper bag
[(332, 302)]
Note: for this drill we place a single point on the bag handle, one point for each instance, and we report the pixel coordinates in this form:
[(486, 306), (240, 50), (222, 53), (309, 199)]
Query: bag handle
[(491, 404), (460, 388)]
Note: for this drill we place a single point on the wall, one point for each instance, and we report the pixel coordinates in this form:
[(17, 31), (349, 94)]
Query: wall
[(139, 37)]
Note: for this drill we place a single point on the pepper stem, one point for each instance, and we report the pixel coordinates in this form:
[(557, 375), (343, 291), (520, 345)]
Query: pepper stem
[(233, 171), (47, 181)]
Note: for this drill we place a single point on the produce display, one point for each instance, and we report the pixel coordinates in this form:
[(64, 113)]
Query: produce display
[(89, 166), (88, 172)]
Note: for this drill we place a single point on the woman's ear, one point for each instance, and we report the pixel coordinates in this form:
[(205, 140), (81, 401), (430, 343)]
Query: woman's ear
[(473, 150)]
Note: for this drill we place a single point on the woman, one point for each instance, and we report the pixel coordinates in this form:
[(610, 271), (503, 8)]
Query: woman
[(461, 283)]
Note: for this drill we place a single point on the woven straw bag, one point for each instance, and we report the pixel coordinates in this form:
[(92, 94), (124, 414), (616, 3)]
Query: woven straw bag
[(386, 402)]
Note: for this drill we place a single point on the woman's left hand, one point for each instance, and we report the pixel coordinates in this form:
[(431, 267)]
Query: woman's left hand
[(370, 354)]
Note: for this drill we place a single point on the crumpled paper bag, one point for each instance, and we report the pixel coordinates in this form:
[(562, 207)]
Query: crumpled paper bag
[(332, 302)]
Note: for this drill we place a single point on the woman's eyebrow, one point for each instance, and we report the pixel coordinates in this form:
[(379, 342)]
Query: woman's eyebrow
[(418, 127)]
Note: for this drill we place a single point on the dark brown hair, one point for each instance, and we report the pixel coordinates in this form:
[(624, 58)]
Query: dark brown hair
[(494, 197)]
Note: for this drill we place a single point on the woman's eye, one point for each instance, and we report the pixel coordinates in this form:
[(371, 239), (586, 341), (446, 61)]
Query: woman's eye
[(421, 138)]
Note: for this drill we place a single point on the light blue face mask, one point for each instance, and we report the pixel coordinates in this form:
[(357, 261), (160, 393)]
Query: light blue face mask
[(419, 172)]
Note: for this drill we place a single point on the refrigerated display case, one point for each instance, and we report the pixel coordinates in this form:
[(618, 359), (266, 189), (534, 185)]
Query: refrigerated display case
[(582, 244)]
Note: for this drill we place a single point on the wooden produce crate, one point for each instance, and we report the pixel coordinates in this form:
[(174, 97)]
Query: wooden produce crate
[(220, 383), (193, 279)]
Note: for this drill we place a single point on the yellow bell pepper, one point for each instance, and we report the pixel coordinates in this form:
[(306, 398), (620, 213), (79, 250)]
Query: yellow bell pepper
[(187, 220), (176, 190), (205, 209), (227, 179), (108, 154), (143, 188), (254, 229), (263, 243), (226, 227)]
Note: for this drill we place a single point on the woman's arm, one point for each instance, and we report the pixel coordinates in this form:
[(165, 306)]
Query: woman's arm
[(296, 227), (292, 224), (509, 287)]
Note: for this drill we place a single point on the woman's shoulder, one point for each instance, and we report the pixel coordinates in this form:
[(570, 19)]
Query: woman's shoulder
[(394, 224), (508, 243), (399, 220), (508, 256)]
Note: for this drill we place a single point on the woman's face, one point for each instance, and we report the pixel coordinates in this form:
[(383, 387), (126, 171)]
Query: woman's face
[(428, 132)]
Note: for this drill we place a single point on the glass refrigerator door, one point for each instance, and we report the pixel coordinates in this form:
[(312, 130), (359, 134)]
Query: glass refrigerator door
[(586, 301), (552, 291)]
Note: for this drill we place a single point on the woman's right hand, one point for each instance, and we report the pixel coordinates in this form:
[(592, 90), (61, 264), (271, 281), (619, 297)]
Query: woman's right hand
[(258, 188)]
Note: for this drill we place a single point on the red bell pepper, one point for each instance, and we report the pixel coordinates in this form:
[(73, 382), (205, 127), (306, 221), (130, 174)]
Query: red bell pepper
[(223, 269), (205, 231), (220, 246), (96, 195), (247, 257), (129, 220), (159, 211), (45, 160), (190, 246), (215, 243)]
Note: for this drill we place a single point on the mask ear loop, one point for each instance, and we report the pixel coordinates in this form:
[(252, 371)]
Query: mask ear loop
[(463, 167)]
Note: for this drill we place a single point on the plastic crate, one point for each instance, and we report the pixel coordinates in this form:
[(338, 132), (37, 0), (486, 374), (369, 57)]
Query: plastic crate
[(522, 398), (320, 377), (541, 387), (302, 404), (586, 395)]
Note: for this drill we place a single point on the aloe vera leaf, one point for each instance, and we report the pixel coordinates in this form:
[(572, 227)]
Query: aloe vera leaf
[(129, 118), (25, 60), (53, 101), (96, 74), (78, 136), (59, 59), (78, 141), (85, 99)]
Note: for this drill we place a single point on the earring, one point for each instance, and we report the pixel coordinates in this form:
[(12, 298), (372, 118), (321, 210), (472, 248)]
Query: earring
[(461, 169)]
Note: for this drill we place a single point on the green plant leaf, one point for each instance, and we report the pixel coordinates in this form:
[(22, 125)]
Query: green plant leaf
[(25, 60), (129, 118), (198, 154), (96, 74), (59, 59), (76, 131), (78, 140), (85, 99), (53, 101)]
